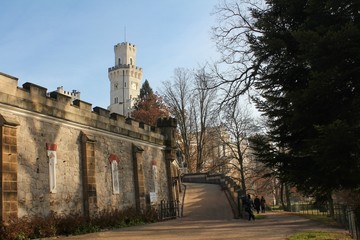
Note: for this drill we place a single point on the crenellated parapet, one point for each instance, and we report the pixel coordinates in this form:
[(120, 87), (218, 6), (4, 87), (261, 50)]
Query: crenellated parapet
[(125, 44), (126, 70), (33, 98), (120, 66)]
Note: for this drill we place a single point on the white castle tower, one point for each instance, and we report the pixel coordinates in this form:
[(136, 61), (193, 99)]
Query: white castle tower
[(125, 79)]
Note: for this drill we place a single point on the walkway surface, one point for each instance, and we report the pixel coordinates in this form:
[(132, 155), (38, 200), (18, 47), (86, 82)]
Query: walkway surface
[(207, 215)]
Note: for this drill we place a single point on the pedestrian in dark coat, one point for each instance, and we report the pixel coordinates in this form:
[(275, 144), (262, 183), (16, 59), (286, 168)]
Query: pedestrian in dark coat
[(257, 204), (249, 205), (263, 204)]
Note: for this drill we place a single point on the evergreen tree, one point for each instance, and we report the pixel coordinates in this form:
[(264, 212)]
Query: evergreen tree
[(305, 66), (145, 90)]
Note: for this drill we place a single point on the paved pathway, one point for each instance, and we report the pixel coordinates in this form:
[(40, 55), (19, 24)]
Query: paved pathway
[(207, 215)]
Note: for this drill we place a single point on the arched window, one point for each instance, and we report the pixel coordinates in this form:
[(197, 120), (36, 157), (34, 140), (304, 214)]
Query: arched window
[(119, 61), (131, 61)]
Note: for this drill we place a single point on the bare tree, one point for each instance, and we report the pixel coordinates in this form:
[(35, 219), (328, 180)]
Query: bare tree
[(238, 68), (178, 97), (204, 108), (193, 102), (238, 124)]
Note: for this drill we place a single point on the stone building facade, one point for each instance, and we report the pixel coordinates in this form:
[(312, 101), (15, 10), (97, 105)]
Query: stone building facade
[(62, 155)]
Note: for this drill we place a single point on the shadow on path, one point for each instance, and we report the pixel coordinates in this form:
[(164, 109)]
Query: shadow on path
[(207, 215)]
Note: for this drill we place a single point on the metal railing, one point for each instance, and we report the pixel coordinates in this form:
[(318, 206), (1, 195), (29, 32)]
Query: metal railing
[(346, 215), (349, 216), (169, 210)]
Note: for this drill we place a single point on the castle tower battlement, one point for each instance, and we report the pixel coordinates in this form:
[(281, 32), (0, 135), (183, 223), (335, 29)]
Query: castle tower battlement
[(125, 79)]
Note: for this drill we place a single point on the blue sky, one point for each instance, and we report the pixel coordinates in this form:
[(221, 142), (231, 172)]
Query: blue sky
[(70, 43)]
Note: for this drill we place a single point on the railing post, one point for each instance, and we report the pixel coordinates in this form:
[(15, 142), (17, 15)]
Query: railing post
[(161, 210)]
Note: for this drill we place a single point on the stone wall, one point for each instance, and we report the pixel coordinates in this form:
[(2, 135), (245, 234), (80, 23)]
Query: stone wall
[(64, 156)]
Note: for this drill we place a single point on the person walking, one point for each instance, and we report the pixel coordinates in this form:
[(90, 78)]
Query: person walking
[(249, 205), (257, 204), (263, 204)]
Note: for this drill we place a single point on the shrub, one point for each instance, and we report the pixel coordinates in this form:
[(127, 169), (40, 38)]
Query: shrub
[(74, 223), (124, 218), (69, 224), (16, 229)]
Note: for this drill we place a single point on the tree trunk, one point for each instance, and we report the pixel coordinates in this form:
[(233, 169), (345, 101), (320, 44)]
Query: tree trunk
[(282, 197), (287, 195), (276, 192), (242, 174), (331, 205)]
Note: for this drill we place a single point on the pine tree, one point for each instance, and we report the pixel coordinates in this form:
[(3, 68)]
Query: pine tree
[(145, 90)]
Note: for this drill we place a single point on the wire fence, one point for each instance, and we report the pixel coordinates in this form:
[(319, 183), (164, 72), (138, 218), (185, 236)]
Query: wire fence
[(346, 215)]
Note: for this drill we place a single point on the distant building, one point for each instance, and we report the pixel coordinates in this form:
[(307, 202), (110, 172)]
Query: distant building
[(74, 94), (125, 79)]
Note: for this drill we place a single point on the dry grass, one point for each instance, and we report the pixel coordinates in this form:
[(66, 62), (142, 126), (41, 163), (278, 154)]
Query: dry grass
[(320, 236)]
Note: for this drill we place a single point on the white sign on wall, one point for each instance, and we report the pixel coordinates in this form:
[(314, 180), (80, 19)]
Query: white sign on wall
[(153, 197)]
